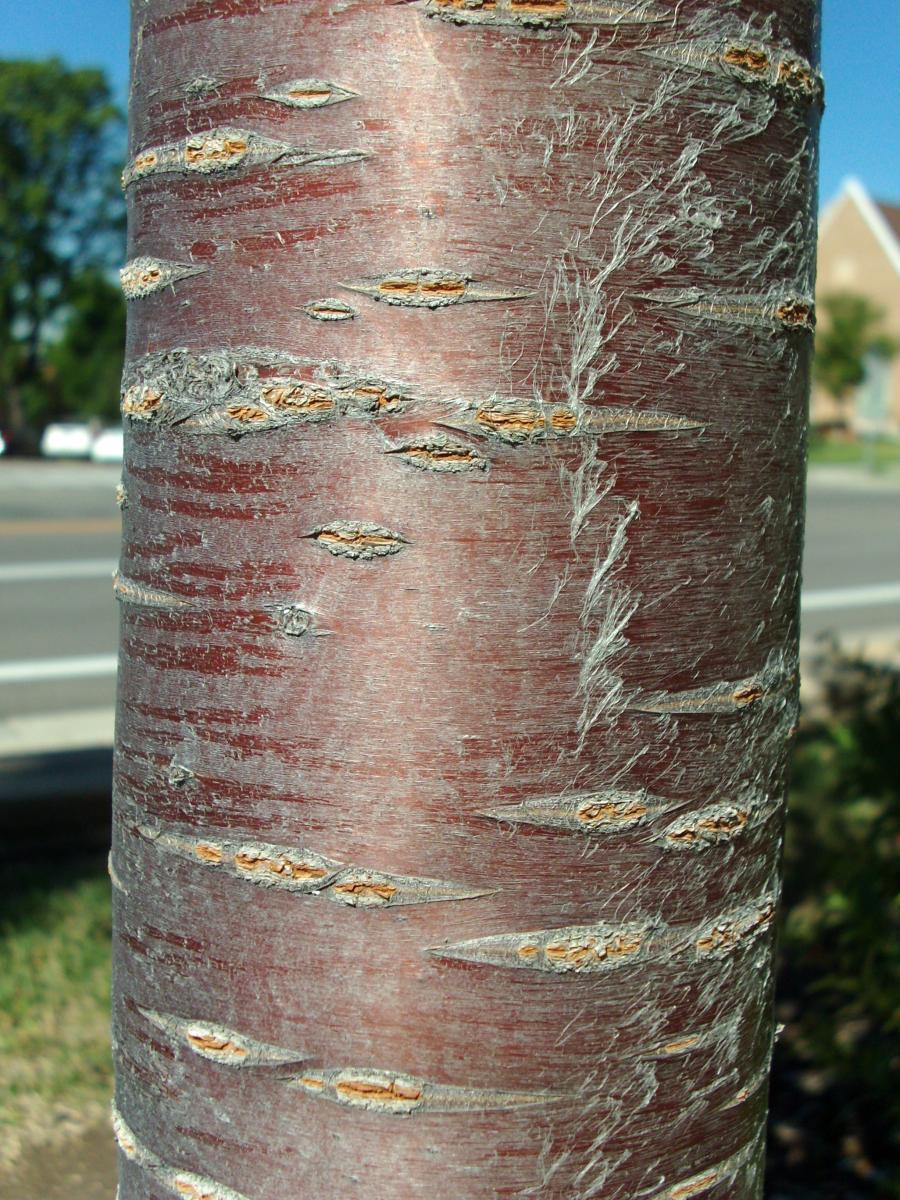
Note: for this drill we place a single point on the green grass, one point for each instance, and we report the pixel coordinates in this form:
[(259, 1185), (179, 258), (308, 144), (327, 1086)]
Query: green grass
[(54, 997), (880, 455)]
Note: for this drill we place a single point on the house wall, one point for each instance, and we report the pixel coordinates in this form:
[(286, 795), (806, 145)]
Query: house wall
[(852, 259)]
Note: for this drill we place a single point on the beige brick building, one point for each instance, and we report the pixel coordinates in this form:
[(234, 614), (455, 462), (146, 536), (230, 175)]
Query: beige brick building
[(859, 251)]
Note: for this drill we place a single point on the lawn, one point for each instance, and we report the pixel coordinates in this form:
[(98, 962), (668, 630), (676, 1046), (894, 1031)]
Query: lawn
[(55, 1066), (881, 454)]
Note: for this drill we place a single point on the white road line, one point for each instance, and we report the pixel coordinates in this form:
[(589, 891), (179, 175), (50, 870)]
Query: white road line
[(92, 665), (37, 670), (821, 600), (89, 568), (828, 599)]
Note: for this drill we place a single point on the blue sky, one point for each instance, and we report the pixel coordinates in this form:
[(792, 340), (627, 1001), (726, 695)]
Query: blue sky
[(860, 53)]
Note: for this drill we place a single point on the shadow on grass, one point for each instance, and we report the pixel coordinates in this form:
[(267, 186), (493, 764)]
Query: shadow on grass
[(32, 897), (55, 800)]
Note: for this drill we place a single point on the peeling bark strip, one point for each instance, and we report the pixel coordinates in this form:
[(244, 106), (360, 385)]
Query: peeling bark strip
[(606, 811), (758, 1080), (518, 421), (498, 377), (439, 454), (543, 14), (747, 1161), (195, 1187), (307, 873), (357, 539), (718, 823), (402, 1095), (751, 62), (127, 591), (173, 386), (125, 1139), (144, 276), (577, 950), (785, 311), (722, 1032), (426, 288), (589, 949), (308, 93), (772, 684), (225, 150), (141, 402), (221, 1045), (181, 1183), (723, 936), (678, 1046), (177, 775), (113, 875), (234, 392), (293, 620), (329, 310), (613, 812)]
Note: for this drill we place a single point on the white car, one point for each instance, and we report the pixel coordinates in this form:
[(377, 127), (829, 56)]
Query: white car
[(66, 440), (108, 445)]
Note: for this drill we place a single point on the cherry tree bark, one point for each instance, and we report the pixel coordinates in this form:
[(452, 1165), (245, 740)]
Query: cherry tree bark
[(465, 405)]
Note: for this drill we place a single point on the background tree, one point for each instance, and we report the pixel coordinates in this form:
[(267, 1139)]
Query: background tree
[(850, 331), (835, 1101), (466, 392), (82, 368), (61, 220)]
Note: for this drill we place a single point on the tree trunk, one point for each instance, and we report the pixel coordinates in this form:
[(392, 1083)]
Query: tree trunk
[(465, 395)]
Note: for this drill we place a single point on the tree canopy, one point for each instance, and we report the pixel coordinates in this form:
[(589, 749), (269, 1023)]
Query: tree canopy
[(851, 332), (61, 222)]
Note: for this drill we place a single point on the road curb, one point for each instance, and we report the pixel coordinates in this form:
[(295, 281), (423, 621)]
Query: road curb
[(81, 729)]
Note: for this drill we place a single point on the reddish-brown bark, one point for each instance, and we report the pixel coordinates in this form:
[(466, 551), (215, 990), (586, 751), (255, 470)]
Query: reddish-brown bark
[(465, 404)]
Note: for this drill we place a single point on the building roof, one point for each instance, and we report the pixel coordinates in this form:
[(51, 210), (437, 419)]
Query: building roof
[(891, 214), (883, 219)]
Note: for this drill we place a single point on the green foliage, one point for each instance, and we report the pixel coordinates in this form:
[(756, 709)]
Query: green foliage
[(61, 215), (837, 1104), (55, 933), (84, 367), (849, 333)]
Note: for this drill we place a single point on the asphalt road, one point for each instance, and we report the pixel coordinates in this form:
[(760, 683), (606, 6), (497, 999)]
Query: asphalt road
[(59, 532), (57, 521)]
